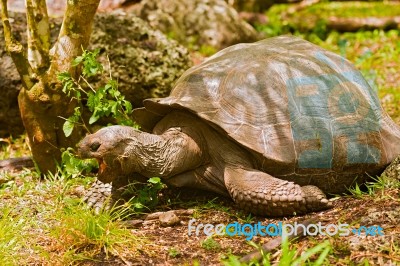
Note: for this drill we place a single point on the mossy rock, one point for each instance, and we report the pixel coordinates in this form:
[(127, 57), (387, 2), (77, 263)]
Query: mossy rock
[(199, 24), (144, 61)]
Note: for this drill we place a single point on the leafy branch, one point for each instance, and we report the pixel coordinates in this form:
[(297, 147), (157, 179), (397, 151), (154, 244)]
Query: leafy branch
[(106, 101)]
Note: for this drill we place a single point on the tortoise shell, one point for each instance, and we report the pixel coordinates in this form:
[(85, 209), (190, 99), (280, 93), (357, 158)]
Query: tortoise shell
[(305, 114)]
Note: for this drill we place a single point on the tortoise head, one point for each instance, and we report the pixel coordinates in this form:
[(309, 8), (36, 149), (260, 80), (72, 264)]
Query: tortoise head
[(112, 147)]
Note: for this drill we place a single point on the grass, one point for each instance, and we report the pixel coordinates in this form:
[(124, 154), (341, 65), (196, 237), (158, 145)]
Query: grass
[(12, 241), (313, 19), (210, 244), (378, 184), (82, 235), (352, 9), (173, 252), (13, 147), (45, 222), (315, 255)]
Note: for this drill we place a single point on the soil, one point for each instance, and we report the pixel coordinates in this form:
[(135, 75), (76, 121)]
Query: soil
[(173, 246)]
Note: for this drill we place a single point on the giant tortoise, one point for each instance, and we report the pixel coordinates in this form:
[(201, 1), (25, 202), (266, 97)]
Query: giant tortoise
[(273, 124)]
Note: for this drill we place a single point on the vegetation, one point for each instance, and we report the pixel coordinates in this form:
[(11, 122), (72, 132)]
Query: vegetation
[(44, 221), (105, 101), (41, 101), (288, 256)]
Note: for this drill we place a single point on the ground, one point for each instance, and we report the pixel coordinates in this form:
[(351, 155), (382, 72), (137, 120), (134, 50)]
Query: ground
[(44, 222)]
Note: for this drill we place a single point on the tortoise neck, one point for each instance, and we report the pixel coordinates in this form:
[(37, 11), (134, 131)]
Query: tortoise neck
[(166, 155)]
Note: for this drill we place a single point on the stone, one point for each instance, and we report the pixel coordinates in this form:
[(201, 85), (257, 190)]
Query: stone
[(200, 24), (169, 218)]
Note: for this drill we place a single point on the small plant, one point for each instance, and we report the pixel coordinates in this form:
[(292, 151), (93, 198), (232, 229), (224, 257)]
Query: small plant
[(248, 219), (11, 240), (105, 101), (73, 167), (210, 244), (207, 50), (288, 255), (378, 183), (83, 234), (357, 192), (146, 195), (383, 182), (173, 252)]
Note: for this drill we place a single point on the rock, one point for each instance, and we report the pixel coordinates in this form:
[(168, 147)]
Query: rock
[(57, 7), (79, 191), (253, 18), (392, 172), (153, 216), (197, 23), (182, 212), (145, 62), (135, 223), (169, 218), (16, 163)]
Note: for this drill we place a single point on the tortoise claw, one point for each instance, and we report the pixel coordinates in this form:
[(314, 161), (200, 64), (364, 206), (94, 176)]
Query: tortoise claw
[(315, 199), (98, 196)]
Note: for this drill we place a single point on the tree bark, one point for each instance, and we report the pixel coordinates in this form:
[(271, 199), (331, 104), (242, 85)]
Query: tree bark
[(41, 101)]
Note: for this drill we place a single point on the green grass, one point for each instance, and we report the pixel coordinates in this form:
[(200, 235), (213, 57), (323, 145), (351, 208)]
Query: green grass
[(313, 18), (82, 235), (352, 9), (49, 224), (13, 147), (290, 256), (210, 244), (11, 240), (378, 184), (173, 252)]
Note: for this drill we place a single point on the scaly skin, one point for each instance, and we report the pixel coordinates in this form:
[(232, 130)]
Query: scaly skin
[(186, 152)]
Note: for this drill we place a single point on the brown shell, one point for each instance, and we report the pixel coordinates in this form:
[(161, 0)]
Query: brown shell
[(301, 110)]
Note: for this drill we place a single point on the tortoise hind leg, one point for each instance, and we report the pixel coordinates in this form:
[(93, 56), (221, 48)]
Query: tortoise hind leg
[(262, 194)]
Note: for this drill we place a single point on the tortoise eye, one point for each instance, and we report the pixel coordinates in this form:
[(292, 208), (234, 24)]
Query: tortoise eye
[(94, 146)]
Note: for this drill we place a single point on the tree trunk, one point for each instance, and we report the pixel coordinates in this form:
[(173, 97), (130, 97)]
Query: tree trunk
[(355, 24), (41, 101)]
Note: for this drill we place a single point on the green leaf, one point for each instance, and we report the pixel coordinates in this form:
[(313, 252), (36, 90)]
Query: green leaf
[(63, 76), (323, 247), (77, 60), (114, 107), (68, 127), (91, 101), (128, 107), (154, 180), (93, 118), (138, 205)]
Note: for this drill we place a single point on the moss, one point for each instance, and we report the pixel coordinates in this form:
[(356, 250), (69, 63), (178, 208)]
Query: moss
[(145, 62)]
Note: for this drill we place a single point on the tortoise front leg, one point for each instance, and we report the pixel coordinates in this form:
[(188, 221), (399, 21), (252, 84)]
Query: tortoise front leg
[(105, 195), (262, 194), (98, 195)]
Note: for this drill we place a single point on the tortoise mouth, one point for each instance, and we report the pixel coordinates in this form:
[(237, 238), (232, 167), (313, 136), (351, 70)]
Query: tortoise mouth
[(102, 165), (103, 174)]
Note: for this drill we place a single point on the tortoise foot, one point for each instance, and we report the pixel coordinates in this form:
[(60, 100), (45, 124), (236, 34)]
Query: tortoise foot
[(315, 199), (262, 194), (99, 196)]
